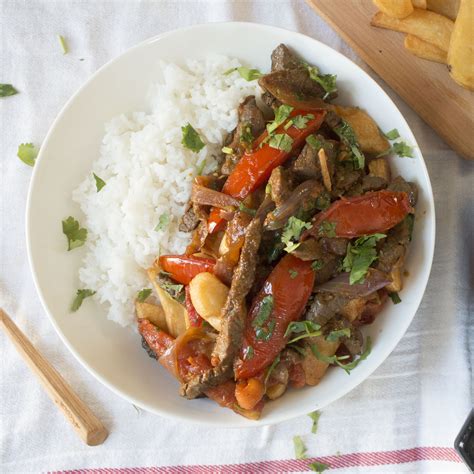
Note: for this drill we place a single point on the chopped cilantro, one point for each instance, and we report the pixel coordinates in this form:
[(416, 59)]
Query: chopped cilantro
[(281, 114), (247, 137), (191, 139), (318, 467), (360, 256), (334, 336), (7, 90), (245, 73), (76, 236), (327, 229), (281, 141), (99, 182), (266, 308), (81, 295), (303, 329), (316, 265), (163, 221), (227, 150), (392, 134), (315, 417), (323, 201), (315, 143), (275, 362), (174, 290), (292, 232), (249, 353), (402, 149), (142, 295), (326, 81), (348, 136), (395, 297), (300, 448), (27, 153), (264, 334), (293, 273), (247, 210), (301, 121), (62, 43)]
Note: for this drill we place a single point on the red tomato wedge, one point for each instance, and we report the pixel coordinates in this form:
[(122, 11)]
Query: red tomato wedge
[(183, 268), (364, 215), (289, 286), (255, 167)]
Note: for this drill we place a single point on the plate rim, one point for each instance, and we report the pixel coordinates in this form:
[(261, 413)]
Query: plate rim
[(214, 421)]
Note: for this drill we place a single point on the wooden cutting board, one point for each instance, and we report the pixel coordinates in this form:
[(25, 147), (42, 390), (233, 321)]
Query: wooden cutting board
[(426, 86)]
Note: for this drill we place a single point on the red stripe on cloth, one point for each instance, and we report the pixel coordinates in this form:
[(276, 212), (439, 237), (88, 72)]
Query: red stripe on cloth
[(291, 465)]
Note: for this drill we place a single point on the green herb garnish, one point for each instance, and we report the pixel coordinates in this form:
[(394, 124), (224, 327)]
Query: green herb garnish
[(247, 210), (315, 417), (360, 256), (281, 114), (334, 336), (81, 295), (174, 290), (402, 149), (264, 334), (395, 297), (293, 273), (163, 221), (314, 142), (99, 182), (142, 295), (301, 121), (27, 153), (300, 448), (303, 329), (327, 229), (292, 232), (326, 81), (266, 308), (227, 150), (245, 73), (7, 90), (275, 362), (62, 43), (281, 141), (191, 139), (76, 236), (249, 353), (316, 265), (392, 134), (247, 137), (348, 136), (318, 467)]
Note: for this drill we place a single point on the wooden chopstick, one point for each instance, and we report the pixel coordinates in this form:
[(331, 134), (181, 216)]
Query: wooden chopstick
[(86, 424)]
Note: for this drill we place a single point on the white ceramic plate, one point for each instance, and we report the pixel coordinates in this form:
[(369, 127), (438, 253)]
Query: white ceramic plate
[(114, 355)]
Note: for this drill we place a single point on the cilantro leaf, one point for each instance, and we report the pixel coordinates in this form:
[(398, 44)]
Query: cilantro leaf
[(174, 290), (348, 136), (281, 141), (334, 336), (318, 467), (293, 273), (281, 114), (292, 232), (303, 329), (315, 417), (245, 73), (300, 121), (264, 334), (314, 142), (327, 229), (392, 134), (395, 298), (402, 149), (76, 236), (275, 362), (99, 182), (300, 448), (142, 295), (163, 221), (62, 43), (249, 353), (7, 90), (81, 295), (191, 139), (247, 137), (360, 255), (264, 312), (326, 81), (27, 153), (316, 265)]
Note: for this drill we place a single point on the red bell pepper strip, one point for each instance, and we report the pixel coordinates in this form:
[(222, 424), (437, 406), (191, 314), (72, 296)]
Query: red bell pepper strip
[(255, 167), (195, 319), (290, 285), (362, 215), (158, 341), (183, 268)]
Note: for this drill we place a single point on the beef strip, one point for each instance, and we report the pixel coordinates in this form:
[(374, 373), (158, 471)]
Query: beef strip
[(334, 245), (283, 58), (250, 118), (345, 177), (373, 183), (270, 101), (394, 246), (229, 339), (399, 184), (189, 221), (281, 185), (354, 342)]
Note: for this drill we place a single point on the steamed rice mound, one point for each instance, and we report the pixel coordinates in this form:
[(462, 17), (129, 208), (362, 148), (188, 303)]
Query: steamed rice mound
[(148, 174)]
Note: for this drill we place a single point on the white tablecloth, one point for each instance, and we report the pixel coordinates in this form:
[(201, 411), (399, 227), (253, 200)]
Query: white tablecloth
[(404, 418)]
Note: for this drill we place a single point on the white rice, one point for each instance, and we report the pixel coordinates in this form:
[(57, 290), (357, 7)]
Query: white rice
[(149, 173)]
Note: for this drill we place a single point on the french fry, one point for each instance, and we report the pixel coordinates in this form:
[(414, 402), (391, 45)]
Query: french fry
[(428, 26), (461, 49), (367, 132), (395, 8), (419, 4), (447, 8), (425, 50), (154, 313)]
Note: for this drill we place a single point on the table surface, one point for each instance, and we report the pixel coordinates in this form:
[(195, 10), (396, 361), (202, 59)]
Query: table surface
[(404, 418)]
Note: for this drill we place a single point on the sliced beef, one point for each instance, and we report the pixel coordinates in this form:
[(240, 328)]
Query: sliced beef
[(281, 185), (399, 184), (189, 221), (334, 245), (283, 58), (354, 343), (229, 339), (345, 178), (270, 101), (307, 166), (373, 183), (394, 246), (332, 119)]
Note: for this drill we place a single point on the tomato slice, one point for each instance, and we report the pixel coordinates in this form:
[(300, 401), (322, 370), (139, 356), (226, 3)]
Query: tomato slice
[(183, 268), (289, 286)]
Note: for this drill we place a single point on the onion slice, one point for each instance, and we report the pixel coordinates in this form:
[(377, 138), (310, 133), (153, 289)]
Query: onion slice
[(374, 280)]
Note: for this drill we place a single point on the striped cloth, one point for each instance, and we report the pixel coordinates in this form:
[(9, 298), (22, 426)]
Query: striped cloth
[(404, 418)]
